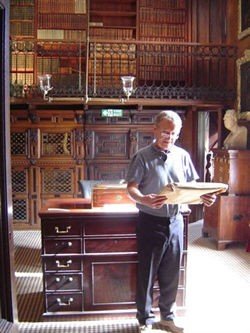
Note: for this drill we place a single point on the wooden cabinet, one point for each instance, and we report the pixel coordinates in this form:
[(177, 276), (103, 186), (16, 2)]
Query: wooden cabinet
[(232, 167), (89, 259), (47, 153), (54, 145), (227, 220)]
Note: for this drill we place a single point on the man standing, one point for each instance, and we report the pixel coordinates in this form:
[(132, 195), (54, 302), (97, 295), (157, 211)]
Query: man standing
[(160, 225)]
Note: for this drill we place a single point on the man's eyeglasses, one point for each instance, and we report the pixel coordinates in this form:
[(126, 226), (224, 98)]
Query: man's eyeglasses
[(166, 134)]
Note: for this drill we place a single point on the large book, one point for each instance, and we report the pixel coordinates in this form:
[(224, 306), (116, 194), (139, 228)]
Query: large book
[(190, 193)]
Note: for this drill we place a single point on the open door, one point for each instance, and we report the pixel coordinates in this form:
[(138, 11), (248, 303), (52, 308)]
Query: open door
[(8, 308)]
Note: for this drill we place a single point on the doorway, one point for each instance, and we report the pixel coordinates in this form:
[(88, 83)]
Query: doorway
[(8, 308)]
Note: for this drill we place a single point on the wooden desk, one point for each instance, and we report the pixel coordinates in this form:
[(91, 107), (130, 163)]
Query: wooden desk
[(89, 259)]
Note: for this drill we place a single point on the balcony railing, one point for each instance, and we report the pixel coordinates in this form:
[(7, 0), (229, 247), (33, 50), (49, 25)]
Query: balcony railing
[(94, 69)]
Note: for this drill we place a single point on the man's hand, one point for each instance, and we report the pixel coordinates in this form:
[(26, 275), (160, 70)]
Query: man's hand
[(153, 200), (208, 199)]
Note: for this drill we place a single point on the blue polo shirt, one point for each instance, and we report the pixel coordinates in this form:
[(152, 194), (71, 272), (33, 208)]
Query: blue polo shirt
[(153, 169)]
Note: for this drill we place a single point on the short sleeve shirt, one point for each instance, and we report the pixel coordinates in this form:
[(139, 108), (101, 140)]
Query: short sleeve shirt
[(152, 169)]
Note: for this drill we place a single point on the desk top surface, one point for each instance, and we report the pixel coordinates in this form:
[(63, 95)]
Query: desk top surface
[(82, 207)]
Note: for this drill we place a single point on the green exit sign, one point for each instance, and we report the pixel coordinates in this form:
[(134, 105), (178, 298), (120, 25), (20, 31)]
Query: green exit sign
[(112, 113)]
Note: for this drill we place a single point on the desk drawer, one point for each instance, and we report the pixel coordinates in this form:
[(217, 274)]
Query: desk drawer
[(110, 245), (56, 246), (62, 264), (61, 228), (63, 282), (119, 227), (57, 302)]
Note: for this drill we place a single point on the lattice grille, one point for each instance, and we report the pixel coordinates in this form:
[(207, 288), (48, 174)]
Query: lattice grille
[(56, 143), (19, 210), (19, 181), (57, 181), (18, 143), (144, 139)]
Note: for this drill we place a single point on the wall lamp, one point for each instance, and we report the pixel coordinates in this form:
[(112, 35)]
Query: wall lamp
[(44, 84), (127, 85)]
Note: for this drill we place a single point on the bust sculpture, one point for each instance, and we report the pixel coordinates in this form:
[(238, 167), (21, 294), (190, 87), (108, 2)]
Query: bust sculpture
[(237, 138)]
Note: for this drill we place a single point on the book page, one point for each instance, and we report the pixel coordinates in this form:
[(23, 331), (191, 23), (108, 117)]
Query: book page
[(190, 193)]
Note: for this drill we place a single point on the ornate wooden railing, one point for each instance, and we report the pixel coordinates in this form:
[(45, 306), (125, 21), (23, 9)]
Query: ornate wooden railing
[(94, 69)]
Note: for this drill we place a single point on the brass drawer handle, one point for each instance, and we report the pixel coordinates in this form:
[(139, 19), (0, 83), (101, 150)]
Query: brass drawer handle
[(59, 301), (66, 231), (59, 265)]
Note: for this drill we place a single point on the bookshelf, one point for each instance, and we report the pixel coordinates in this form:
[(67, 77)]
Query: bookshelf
[(59, 34), (22, 18), (62, 32), (88, 45), (112, 19), (165, 21), (108, 62), (22, 30)]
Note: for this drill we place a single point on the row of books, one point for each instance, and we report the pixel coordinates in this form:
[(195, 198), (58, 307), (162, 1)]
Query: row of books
[(121, 6), (66, 6), (22, 2), (163, 48), (162, 16), (22, 78), (48, 65), (106, 80), (61, 34), (124, 57), (22, 62), (112, 48), (115, 47), (22, 29), (22, 13), (156, 73), (163, 61), (166, 30), (113, 68), (163, 39), (171, 4), (111, 33), (62, 21)]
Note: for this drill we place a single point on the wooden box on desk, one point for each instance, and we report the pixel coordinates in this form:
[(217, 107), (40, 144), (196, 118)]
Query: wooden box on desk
[(103, 194)]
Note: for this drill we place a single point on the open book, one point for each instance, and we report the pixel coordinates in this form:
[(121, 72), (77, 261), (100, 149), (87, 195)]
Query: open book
[(189, 193)]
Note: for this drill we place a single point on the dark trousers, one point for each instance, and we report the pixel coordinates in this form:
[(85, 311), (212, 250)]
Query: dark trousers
[(160, 246)]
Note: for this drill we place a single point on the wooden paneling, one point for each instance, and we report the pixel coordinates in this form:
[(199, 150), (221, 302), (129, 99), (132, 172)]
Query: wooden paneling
[(47, 150)]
